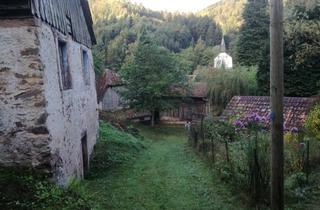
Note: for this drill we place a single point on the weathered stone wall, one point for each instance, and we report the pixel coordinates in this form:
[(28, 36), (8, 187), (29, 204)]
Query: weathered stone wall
[(23, 134), (41, 125), (71, 113)]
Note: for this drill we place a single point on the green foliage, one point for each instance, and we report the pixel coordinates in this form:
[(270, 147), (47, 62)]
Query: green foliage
[(301, 53), (98, 62), (313, 122), (218, 130), (296, 187), (228, 19), (114, 148), (245, 160), (118, 24), (223, 85), (149, 73), (24, 189), (254, 34)]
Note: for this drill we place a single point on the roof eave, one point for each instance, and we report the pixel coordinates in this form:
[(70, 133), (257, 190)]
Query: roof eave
[(88, 18)]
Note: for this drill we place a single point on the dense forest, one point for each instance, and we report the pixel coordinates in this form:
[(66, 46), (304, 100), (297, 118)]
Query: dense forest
[(193, 39), (190, 38)]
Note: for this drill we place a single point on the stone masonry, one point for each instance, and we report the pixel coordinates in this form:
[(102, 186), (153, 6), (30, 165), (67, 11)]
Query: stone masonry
[(41, 125)]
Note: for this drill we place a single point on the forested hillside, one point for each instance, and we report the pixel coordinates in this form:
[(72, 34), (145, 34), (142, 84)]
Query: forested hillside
[(190, 38), (227, 14)]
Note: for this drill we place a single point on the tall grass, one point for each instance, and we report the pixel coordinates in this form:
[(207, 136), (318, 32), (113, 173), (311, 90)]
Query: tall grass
[(224, 84)]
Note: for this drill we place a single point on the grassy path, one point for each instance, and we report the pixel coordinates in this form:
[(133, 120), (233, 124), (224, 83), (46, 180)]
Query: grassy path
[(167, 175)]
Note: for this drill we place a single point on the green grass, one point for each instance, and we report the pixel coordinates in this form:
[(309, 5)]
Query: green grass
[(164, 175), (131, 172), (22, 188)]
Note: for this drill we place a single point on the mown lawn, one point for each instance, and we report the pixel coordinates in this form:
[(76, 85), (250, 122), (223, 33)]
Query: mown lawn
[(160, 172)]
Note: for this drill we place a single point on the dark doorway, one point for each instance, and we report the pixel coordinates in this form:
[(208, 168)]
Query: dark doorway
[(85, 156)]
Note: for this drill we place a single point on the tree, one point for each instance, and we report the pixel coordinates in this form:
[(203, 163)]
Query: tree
[(254, 34), (149, 73), (301, 53)]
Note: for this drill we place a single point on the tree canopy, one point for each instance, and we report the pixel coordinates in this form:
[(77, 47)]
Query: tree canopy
[(118, 23), (149, 73), (254, 34), (301, 54)]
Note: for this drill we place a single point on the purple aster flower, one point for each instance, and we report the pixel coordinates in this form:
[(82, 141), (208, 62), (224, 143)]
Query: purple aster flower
[(238, 123), (257, 118), (294, 130)]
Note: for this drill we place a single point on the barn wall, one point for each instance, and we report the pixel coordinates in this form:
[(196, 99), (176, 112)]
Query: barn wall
[(23, 134), (71, 113), (186, 111), (112, 100)]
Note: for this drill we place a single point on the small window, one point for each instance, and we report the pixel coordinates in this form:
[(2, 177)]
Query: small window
[(85, 67), (64, 66)]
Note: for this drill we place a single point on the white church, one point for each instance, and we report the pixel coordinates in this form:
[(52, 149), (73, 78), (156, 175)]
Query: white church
[(223, 60)]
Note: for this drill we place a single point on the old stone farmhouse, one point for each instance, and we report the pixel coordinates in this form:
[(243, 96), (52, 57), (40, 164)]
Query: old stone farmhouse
[(48, 106)]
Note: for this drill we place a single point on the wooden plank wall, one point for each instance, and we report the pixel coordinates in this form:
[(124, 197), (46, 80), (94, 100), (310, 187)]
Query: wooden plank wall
[(55, 13)]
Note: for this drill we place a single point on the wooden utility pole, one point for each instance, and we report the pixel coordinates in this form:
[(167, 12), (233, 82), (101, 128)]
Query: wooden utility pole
[(276, 93)]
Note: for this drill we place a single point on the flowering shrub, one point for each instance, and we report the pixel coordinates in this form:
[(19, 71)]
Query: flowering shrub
[(252, 122)]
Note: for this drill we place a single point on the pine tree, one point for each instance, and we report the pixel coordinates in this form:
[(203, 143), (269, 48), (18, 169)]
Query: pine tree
[(254, 34)]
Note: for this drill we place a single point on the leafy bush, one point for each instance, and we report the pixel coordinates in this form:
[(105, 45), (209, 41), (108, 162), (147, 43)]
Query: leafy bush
[(22, 188), (296, 186), (313, 123)]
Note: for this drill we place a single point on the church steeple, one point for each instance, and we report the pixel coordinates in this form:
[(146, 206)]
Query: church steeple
[(223, 45), (223, 60)]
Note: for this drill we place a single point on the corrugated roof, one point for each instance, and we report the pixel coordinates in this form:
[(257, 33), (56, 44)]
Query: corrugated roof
[(57, 13), (296, 109)]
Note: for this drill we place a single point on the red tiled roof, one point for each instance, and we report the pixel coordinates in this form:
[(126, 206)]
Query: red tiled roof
[(295, 109), (107, 79)]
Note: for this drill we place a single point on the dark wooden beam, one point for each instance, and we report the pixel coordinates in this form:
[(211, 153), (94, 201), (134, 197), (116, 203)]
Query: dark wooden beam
[(276, 91), (15, 8)]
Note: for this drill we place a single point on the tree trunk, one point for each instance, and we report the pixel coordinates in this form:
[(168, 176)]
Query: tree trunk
[(276, 91), (152, 118)]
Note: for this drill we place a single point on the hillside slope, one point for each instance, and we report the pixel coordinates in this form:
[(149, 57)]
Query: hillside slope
[(226, 13)]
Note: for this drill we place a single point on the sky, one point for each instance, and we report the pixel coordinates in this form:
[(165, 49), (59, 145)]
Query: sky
[(176, 5)]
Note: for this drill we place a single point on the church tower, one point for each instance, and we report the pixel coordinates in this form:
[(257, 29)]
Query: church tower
[(223, 60)]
